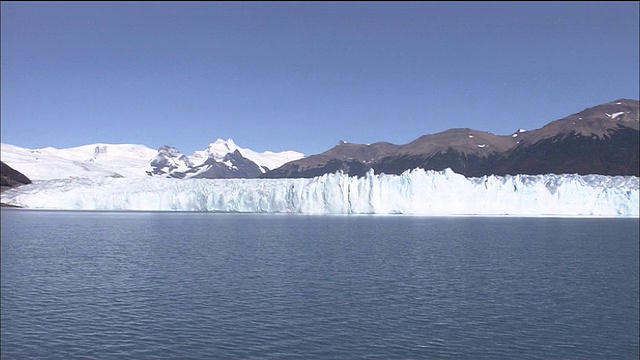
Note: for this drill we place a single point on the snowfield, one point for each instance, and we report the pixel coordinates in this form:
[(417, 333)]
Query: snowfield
[(123, 160), (95, 160), (415, 192)]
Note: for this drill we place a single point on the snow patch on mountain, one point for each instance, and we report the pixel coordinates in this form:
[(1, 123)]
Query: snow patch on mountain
[(515, 134), (614, 115)]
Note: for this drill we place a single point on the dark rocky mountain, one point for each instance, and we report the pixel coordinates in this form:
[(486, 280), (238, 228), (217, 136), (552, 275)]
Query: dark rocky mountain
[(599, 140), (465, 151), (168, 159), (221, 160), (354, 159), (10, 178), (232, 166), (170, 162)]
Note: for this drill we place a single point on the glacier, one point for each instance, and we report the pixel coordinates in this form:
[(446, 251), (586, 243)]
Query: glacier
[(414, 192)]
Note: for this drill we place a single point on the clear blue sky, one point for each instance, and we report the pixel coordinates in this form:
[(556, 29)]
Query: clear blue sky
[(302, 76)]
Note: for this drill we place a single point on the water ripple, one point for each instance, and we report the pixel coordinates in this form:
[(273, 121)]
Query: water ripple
[(164, 286)]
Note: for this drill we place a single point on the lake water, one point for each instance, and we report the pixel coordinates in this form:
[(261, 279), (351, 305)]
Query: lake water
[(108, 285)]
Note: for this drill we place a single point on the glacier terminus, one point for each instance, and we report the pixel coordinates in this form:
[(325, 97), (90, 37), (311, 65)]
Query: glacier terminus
[(414, 192)]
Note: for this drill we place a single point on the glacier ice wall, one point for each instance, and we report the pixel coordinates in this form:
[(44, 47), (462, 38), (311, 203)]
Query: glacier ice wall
[(415, 192)]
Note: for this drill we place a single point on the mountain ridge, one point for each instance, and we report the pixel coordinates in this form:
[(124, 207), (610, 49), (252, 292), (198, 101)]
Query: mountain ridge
[(221, 159), (602, 139)]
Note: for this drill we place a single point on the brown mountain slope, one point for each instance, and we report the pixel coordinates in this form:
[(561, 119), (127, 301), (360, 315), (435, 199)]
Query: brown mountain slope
[(603, 139), (465, 140), (595, 121), (599, 140)]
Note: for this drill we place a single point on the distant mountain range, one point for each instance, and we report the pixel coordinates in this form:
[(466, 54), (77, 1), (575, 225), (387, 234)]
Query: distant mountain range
[(603, 139), (221, 159), (599, 140)]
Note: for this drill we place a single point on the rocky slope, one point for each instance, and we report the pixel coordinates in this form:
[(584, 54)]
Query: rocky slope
[(10, 178)]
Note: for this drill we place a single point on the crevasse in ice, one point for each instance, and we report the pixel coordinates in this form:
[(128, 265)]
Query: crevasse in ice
[(416, 192)]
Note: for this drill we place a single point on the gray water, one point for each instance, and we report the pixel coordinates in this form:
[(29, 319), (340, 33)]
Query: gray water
[(107, 285)]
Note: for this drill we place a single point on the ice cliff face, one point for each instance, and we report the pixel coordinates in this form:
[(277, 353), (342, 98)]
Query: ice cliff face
[(414, 192)]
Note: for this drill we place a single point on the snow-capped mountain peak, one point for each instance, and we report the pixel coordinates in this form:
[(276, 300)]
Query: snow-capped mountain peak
[(266, 161), (220, 148), (169, 159), (221, 159)]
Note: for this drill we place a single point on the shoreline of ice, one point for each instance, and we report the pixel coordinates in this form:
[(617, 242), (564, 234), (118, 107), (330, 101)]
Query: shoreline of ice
[(413, 193)]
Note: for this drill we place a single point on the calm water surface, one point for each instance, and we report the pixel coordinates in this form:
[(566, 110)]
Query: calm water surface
[(104, 285)]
